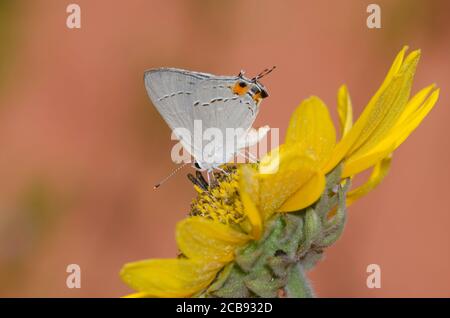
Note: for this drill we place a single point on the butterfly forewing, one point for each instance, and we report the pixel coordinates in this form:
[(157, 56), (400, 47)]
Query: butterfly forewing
[(181, 97)]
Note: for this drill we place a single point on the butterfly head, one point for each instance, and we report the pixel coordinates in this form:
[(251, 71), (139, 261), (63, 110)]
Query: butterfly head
[(252, 87)]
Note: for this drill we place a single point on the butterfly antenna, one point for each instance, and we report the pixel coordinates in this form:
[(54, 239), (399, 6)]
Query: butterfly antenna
[(264, 73), (169, 176)]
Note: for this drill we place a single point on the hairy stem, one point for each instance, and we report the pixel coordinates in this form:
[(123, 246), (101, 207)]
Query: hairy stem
[(298, 285)]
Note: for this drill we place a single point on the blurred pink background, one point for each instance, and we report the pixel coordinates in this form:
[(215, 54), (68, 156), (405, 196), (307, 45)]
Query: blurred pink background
[(81, 145)]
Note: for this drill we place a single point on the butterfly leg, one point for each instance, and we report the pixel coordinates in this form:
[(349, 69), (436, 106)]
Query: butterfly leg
[(252, 157), (202, 180), (223, 171), (198, 180), (248, 156), (208, 177)]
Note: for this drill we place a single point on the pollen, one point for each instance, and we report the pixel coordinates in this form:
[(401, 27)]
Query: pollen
[(221, 201)]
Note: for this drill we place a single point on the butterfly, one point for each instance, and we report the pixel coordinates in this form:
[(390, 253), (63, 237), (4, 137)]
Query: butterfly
[(187, 99)]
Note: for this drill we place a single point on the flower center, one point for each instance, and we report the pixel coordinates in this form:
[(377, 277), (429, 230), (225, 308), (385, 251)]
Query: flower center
[(220, 200)]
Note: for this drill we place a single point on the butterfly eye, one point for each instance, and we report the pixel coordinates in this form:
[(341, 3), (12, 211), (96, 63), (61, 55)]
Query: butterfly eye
[(264, 93), (242, 84)]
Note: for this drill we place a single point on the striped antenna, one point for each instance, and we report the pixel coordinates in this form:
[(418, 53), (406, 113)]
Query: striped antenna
[(156, 186), (264, 73)]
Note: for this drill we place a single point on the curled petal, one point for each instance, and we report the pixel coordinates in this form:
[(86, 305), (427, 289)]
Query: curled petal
[(380, 171), (345, 110)]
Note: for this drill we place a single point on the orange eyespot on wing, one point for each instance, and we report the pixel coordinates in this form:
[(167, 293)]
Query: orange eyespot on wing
[(240, 88)]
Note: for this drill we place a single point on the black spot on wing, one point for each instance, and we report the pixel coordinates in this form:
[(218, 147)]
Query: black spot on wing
[(173, 94)]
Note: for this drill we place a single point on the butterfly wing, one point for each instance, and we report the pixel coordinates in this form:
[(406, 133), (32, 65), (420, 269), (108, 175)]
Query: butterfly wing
[(171, 92), (182, 97), (219, 108)]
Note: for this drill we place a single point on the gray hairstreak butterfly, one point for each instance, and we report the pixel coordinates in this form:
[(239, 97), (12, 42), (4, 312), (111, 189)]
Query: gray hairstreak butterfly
[(187, 100)]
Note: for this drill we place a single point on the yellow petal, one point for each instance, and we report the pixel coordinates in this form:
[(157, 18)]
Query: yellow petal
[(396, 136), (390, 106), (395, 68), (169, 277), (356, 165), (294, 171), (208, 240), (373, 112), (306, 195), (270, 163), (345, 110), (311, 129), (416, 102), (407, 126), (249, 194), (380, 170)]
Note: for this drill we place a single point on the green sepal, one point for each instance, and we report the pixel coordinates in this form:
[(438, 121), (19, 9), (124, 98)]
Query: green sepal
[(292, 243)]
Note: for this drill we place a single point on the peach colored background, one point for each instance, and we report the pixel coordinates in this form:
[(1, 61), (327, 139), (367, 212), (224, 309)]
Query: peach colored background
[(81, 145)]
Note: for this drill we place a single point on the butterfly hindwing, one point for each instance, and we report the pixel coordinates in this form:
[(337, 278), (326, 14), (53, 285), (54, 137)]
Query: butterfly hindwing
[(219, 108)]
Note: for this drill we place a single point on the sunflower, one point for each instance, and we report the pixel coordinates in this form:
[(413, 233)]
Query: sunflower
[(255, 231)]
